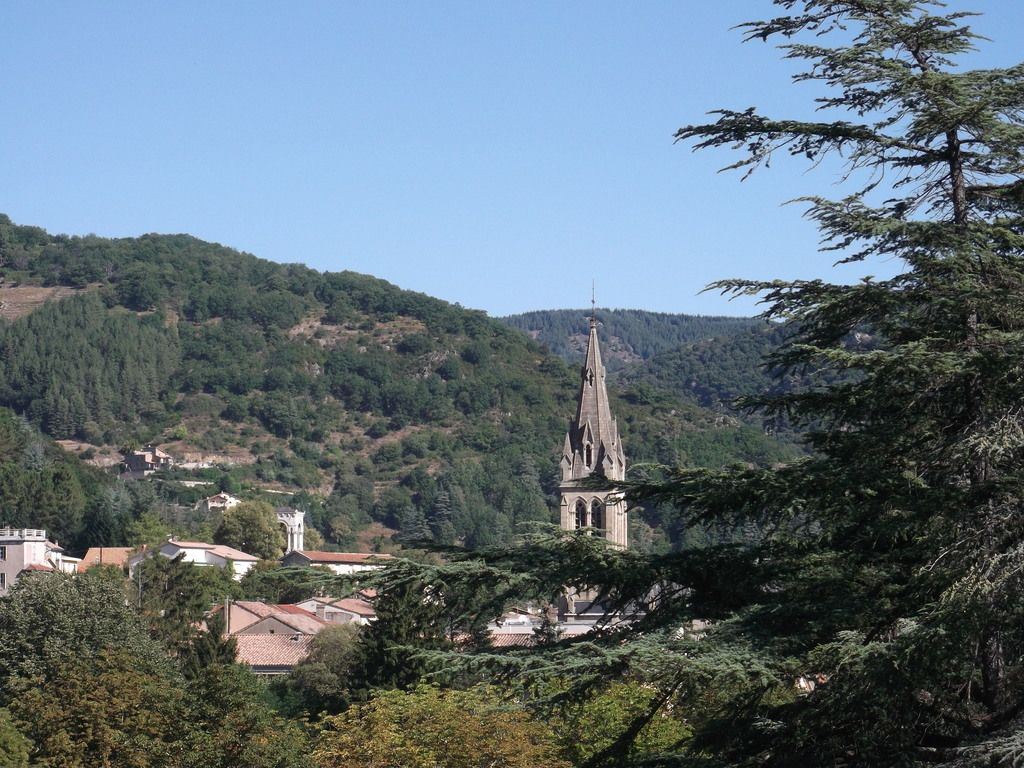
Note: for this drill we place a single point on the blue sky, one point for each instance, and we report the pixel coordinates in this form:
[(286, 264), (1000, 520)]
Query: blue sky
[(496, 155)]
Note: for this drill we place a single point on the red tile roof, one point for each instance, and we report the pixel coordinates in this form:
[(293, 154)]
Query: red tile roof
[(281, 651), (254, 607), (230, 553), (356, 606), (283, 608), (342, 557), (512, 640), (293, 616)]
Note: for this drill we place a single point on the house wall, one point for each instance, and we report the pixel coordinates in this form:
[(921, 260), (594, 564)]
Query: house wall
[(239, 568), (239, 618), (169, 550), (24, 547), (199, 556), (343, 568), (338, 616)]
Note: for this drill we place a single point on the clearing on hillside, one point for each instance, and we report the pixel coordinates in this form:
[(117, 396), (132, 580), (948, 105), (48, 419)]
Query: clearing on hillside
[(17, 301)]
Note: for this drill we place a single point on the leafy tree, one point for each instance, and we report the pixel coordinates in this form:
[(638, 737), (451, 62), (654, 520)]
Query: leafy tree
[(312, 539), (47, 619), (321, 682), (585, 728), (207, 648), (232, 724), (894, 541), (101, 711), (441, 518), (413, 529), (14, 747), (408, 620), (271, 583), (147, 530), (428, 727), (252, 527)]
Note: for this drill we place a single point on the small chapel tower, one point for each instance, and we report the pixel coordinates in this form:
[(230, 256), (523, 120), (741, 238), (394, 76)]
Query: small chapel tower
[(592, 450)]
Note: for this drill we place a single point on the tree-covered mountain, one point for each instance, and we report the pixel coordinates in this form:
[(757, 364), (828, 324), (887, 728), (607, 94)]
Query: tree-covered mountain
[(706, 361), (631, 335), (387, 410)]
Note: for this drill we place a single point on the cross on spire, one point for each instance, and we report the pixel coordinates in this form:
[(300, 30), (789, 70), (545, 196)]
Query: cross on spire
[(593, 303)]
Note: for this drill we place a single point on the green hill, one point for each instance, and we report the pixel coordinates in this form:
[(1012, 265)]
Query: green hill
[(707, 361), (631, 335), (386, 410)]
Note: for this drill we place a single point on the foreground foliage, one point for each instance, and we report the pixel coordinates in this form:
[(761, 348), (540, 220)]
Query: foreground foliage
[(428, 727), (85, 685)]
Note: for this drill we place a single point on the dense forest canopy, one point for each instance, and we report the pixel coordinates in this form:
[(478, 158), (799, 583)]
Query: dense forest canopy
[(630, 335)]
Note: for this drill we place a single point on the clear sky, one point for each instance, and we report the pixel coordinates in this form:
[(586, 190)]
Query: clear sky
[(500, 155)]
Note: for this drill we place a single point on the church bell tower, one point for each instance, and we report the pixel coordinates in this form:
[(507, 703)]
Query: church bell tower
[(592, 450)]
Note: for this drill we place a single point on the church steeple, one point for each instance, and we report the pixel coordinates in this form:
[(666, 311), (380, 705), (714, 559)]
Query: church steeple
[(592, 444), (592, 449)]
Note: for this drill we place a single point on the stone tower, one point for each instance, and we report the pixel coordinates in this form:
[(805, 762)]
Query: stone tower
[(592, 450)]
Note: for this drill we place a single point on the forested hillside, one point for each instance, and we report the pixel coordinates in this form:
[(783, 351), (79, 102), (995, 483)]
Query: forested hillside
[(631, 335), (386, 410), (706, 361), (42, 486)]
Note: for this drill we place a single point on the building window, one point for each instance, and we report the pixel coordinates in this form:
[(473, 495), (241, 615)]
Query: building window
[(597, 514), (3, 553), (581, 514), (589, 455), (3, 581)]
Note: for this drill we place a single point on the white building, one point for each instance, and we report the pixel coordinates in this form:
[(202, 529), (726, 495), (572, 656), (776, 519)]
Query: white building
[(218, 502), (27, 549), (338, 562), (201, 554), (346, 610)]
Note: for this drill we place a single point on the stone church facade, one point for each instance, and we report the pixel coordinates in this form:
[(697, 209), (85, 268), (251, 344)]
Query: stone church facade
[(592, 450)]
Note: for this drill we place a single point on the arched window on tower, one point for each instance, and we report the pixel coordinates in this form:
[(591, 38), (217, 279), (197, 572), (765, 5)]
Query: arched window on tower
[(581, 514), (588, 453), (597, 515)]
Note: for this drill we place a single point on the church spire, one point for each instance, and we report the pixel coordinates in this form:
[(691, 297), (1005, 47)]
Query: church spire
[(592, 449)]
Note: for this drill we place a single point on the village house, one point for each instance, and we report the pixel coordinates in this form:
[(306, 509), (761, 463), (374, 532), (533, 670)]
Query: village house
[(201, 554), (28, 549), (271, 639), (340, 563), (272, 654), (116, 556), (345, 610), (251, 617), (146, 461), (218, 503)]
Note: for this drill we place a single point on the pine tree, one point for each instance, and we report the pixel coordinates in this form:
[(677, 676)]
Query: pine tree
[(895, 572), (441, 518), (884, 570), (412, 527)]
